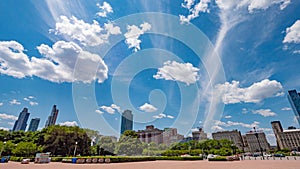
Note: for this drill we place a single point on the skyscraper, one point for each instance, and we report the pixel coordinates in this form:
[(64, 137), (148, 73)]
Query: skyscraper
[(127, 121), (34, 124), (52, 118), (294, 99), (21, 123)]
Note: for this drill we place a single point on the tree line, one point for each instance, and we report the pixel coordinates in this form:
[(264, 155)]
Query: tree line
[(72, 140)]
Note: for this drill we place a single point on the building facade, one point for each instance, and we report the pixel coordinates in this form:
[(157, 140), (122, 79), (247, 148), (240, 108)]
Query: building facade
[(257, 141), (170, 136), (289, 139), (199, 135), (126, 121), (294, 99), (34, 124), (21, 122), (53, 116), (234, 136), (151, 134)]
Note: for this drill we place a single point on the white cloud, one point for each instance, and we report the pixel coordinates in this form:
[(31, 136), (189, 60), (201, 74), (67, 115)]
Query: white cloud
[(182, 72), (133, 33), (194, 9), (56, 65), (1, 104), (244, 111), (69, 123), (99, 111), (251, 5), (59, 63), (14, 102), (105, 9), (162, 115), (26, 99), (111, 109), (286, 108), (148, 108), (218, 124), (8, 117), (32, 103), (232, 93), (217, 128), (227, 117), (264, 112), (293, 33), (87, 34), (31, 97), (4, 128), (13, 61), (296, 52)]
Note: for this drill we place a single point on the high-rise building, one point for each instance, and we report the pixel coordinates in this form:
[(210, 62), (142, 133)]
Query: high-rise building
[(53, 116), (126, 121), (34, 124), (289, 139), (21, 122), (234, 136), (294, 99)]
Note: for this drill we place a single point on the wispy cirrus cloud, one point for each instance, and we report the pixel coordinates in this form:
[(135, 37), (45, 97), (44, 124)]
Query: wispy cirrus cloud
[(14, 102), (218, 125), (264, 112), (162, 115), (182, 72)]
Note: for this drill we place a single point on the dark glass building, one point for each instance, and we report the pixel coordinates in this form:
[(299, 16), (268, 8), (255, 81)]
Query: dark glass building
[(53, 116), (21, 123), (34, 124), (127, 121), (294, 99)]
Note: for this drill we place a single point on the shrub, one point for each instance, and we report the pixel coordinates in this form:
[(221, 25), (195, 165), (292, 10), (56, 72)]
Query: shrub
[(219, 158)]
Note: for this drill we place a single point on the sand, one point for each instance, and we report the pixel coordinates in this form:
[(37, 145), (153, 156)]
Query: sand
[(246, 164)]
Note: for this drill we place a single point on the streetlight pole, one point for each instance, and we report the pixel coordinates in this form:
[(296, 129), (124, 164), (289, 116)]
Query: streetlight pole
[(75, 148), (2, 148), (261, 150)]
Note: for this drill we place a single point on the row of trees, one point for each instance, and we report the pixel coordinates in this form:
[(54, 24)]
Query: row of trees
[(69, 140)]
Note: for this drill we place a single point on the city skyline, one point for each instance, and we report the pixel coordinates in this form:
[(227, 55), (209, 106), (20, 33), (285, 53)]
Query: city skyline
[(180, 64)]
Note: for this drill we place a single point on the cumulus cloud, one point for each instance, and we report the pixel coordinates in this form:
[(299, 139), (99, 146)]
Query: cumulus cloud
[(29, 100), (14, 102), (99, 111), (105, 8), (56, 65), (8, 117), (32, 103), (182, 72), (264, 112), (162, 115), (87, 34), (1, 104), (232, 93), (111, 109), (219, 124), (194, 9), (227, 117), (286, 108), (148, 108), (293, 33), (133, 33), (69, 123)]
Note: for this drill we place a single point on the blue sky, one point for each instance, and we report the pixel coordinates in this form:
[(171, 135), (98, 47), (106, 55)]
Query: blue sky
[(216, 64)]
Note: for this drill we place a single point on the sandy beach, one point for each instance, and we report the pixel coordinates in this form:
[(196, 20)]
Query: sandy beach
[(246, 164)]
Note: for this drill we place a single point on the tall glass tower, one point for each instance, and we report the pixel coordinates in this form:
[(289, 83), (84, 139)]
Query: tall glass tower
[(21, 123), (127, 121), (34, 124), (53, 116), (294, 99)]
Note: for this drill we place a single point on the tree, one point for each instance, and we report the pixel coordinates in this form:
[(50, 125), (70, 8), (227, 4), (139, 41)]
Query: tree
[(129, 144), (107, 144), (25, 149)]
